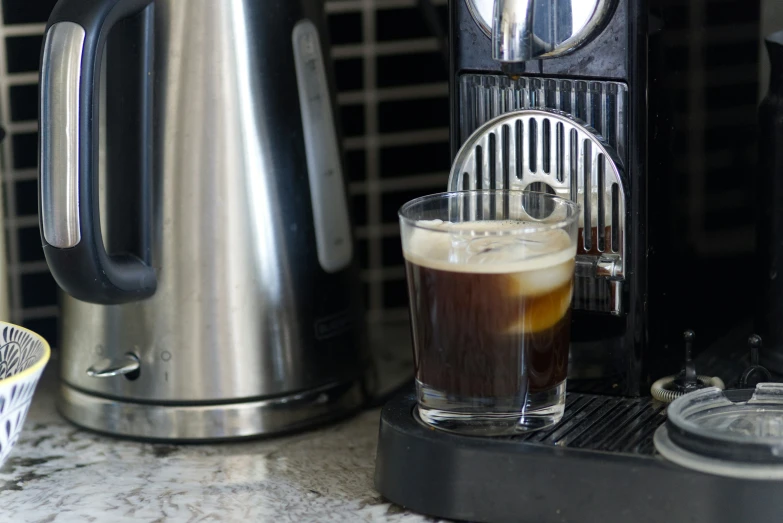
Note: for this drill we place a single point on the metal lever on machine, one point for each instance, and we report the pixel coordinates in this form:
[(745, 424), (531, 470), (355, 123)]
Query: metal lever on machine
[(669, 388), (755, 373), (126, 365), (687, 381)]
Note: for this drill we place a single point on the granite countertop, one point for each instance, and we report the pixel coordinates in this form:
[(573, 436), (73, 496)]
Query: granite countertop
[(59, 473)]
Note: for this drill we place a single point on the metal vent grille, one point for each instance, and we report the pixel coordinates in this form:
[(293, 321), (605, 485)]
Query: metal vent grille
[(549, 148), (602, 105), (604, 423)]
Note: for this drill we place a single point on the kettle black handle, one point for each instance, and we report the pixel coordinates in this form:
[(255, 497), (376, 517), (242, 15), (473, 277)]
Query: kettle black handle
[(68, 153)]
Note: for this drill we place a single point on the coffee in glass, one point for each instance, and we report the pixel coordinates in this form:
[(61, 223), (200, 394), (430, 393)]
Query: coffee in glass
[(490, 279)]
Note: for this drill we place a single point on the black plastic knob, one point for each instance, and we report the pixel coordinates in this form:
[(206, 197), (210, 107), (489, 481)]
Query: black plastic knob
[(755, 373), (687, 380)]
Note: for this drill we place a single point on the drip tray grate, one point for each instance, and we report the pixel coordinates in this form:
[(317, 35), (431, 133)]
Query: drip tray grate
[(603, 423), (597, 465)]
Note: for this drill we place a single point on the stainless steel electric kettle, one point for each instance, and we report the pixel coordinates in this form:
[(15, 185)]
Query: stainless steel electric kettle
[(193, 209)]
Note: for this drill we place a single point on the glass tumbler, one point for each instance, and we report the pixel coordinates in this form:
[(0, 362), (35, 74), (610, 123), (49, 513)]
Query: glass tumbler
[(490, 279)]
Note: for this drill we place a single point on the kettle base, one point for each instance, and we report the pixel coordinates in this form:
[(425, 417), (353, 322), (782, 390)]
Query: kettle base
[(199, 423)]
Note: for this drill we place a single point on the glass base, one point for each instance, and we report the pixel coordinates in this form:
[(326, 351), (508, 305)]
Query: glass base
[(481, 417)]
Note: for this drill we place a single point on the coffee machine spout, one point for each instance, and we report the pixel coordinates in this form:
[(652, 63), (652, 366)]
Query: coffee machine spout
[(512, 31), (525, 30)]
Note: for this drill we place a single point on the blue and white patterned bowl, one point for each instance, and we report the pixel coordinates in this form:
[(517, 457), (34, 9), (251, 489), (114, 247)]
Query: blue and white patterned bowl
[(23, 356)]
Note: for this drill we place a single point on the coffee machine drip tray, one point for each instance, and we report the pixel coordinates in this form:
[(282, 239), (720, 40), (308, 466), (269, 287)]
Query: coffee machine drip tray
[(598, 464)]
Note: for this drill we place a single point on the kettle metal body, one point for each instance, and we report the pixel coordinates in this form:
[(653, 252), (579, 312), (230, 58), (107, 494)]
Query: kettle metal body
[(194, 211)]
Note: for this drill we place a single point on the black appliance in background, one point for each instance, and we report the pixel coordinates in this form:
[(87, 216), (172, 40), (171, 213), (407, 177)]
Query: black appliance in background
[(607, 63), (769, 186), (678, 108)]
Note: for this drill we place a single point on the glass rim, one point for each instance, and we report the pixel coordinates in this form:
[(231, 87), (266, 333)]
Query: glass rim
[(522, 230)]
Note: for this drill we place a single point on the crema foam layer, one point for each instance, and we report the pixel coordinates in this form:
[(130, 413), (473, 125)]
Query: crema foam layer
[(492, 247), (535, 265)]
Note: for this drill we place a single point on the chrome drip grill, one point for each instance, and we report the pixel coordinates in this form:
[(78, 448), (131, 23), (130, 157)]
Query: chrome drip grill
[(602, 105), (538, 149)]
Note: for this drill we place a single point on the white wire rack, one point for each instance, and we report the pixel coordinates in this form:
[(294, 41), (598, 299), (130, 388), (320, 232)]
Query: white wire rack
[(13, 220)]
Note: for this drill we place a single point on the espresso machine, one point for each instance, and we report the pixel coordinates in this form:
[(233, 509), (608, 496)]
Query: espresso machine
[(574, 97), (592, 63), (193, 210)]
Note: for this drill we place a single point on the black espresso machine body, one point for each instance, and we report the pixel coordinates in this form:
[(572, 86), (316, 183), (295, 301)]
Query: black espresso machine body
[(626, 331), (603, 462)]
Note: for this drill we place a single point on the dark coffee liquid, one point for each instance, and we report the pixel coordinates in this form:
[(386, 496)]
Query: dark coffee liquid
[(476, 335)]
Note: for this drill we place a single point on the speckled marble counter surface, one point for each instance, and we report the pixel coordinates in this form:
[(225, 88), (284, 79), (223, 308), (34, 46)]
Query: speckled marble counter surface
[(58, 473)]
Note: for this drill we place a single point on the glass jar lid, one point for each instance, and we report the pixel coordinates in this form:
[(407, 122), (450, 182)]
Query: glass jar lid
[(735, 433)]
